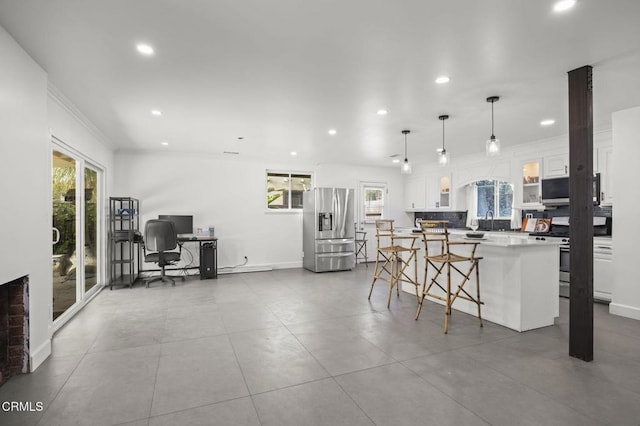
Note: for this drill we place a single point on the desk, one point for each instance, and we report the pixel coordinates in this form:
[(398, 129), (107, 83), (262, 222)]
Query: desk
[(208, 259)]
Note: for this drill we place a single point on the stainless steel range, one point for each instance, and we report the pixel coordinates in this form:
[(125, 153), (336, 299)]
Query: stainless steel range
[(559, 233)]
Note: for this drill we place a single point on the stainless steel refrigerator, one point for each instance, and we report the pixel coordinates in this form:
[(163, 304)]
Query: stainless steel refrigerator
[(328, 230)]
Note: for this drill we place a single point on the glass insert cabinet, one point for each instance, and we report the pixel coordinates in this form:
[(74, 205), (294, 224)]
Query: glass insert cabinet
[(531, 185)]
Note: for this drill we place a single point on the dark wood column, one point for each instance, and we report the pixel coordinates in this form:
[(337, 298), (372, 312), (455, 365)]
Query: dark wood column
[(581, 215)]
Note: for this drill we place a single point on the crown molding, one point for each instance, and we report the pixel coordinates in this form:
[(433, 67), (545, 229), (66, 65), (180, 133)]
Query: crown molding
[(56, 95)]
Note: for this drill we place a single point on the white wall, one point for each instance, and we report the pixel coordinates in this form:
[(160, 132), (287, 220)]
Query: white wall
[(347, 176), (25, 187), (229, 193), (30, 114), (626, 141), (70, 127)]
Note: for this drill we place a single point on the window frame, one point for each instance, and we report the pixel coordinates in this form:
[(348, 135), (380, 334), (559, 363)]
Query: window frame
[(496, 195), (376, 186), (290, 173)]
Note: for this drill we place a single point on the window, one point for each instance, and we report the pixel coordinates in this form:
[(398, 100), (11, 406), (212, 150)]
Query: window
[(284, 189), (494, 196), (373, 202)]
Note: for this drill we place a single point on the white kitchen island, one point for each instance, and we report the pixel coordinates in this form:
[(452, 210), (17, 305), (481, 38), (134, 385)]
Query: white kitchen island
[(518, 280)]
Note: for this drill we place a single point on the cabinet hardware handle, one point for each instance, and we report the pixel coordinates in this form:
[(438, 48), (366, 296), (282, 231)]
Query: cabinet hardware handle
[(565, 169), (602, 196)]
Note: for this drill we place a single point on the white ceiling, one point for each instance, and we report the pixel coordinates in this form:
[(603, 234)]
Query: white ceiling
[(281, 73)]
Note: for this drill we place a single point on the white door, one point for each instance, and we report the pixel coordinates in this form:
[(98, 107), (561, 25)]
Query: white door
[(372, 197)]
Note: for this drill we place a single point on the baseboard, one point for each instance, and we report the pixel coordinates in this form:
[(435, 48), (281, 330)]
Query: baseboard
[(601, 297), (39, 355), (287, 265), (258, 268), (632, 312), (241, 269)]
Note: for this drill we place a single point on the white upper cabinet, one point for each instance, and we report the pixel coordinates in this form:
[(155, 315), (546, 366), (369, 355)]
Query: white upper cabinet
[(415, 193), (556, 166)]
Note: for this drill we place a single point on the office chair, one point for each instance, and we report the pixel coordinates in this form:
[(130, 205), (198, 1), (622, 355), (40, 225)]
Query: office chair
[(160, 238)]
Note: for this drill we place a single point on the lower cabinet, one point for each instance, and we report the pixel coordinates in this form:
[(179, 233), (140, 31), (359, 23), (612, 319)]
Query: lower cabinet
[(602, 270)]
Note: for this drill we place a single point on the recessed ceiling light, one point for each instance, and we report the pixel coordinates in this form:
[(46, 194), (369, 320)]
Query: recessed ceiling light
[(332, 132), (144, 49), (548, 122), (293, 153), (395, 160), (563, 5), (156, 112), (439, 150), (164, 143), (443, 79), (382, 112)]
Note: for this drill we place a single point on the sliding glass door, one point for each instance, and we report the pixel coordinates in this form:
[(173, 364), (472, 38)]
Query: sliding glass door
[(76, 186)]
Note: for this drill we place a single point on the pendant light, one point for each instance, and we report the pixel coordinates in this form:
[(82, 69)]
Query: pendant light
[(406, 167), (493, 144), (443, 155)]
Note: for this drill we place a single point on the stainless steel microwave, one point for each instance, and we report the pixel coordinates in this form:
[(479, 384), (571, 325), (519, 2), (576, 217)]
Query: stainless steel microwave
[(555, 191)]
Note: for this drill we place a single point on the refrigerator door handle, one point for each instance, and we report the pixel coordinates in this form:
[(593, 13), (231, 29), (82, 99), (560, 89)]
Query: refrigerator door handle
[(336, 241), (342, 254)]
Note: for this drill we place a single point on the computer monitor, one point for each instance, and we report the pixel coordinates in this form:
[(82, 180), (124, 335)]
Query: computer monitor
[(182, 223)]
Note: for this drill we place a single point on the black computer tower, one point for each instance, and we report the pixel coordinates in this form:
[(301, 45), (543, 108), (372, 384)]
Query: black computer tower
[(208, 267)]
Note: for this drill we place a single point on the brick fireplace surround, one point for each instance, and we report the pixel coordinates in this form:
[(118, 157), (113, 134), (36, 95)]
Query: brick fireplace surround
[(14, 328)]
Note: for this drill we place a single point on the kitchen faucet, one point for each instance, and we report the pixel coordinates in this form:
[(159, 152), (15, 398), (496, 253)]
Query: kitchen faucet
[(486, 217)]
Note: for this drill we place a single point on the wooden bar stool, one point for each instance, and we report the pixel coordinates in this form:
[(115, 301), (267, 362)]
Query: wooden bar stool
[(391, 266), (437, 233)]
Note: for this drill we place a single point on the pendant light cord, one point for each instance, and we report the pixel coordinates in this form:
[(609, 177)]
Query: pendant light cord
[(405, 147), (492, 134), (443, 150), (492, 99)]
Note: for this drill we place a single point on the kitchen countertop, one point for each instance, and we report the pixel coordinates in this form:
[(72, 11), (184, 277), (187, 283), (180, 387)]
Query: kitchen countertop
[(499, 239), (503, 238)]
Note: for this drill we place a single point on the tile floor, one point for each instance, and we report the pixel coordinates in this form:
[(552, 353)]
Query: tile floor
[(290, 347)]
